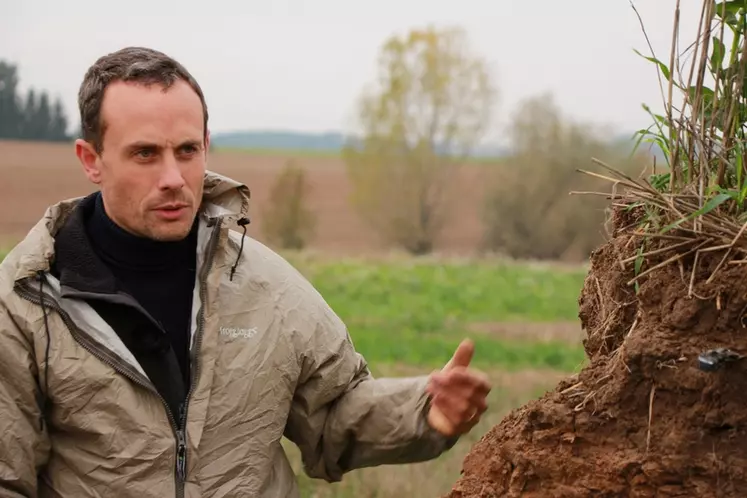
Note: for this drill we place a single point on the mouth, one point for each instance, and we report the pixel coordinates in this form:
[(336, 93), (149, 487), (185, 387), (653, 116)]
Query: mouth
[(172, 210), (172, 207)]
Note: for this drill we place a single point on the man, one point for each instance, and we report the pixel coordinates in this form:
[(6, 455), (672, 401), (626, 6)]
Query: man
[(146, 350)]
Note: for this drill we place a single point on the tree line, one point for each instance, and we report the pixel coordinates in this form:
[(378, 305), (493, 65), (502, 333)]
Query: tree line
[(33, 116), (419, 126)]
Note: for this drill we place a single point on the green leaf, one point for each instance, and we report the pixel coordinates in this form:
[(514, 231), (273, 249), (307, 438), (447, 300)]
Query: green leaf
[(663, 144), (709, 206), (633, 205), (705, 92), (641, 134), (712, 204), (673, 225), (639, 260), (740, 172), (660, 181), (659, 120), (660, 138), (718, 54), (664, 69), (707, 105), (732, 7), (729, 12), (743, 194)]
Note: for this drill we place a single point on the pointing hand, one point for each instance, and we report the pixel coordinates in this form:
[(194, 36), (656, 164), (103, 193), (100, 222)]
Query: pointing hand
[(458, 394)]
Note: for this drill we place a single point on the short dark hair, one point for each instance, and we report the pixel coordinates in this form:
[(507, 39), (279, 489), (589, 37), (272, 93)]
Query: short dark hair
[(137, 64)]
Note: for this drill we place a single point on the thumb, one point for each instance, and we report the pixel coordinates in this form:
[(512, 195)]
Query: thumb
[(462, 356)]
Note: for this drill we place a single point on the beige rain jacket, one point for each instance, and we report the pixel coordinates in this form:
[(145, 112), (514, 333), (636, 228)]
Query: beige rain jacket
[(271, 359)]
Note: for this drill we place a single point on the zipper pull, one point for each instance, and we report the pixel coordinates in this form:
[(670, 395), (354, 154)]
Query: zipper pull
[(181, 456)]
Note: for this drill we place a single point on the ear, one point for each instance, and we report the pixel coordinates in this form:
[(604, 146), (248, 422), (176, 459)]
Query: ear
[(89, 160)]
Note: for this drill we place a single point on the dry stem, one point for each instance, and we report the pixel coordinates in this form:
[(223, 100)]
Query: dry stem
[(650, 415)]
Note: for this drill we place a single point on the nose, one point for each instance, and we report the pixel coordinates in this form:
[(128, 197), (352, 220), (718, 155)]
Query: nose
[(171, 174)]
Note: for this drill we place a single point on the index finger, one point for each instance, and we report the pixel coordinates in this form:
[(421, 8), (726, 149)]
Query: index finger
[(463, 377)]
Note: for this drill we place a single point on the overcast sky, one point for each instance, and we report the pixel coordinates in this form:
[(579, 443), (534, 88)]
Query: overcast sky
[(300, 64)]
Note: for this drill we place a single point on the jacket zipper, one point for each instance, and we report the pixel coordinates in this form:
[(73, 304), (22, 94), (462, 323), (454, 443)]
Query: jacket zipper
[(179, 429), (32, 296), (181, 457), (195, 353)]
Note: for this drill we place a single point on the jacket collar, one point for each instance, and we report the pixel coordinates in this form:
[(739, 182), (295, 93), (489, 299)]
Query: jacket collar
[(76, 264), (222, 198)]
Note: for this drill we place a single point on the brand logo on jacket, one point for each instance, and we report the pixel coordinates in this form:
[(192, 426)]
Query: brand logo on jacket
[(236, 332)]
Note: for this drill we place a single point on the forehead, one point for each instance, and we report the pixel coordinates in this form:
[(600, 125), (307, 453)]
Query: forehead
[(135, 111)]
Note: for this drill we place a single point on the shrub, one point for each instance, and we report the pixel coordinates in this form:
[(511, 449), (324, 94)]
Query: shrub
[(288, 223), (528, 212)]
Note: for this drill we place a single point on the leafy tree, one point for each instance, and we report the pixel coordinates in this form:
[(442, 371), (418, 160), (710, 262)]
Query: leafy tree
[(431, 106)]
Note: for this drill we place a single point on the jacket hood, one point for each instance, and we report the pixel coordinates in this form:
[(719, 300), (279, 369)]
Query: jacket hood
[(222, 197), (225, 198)]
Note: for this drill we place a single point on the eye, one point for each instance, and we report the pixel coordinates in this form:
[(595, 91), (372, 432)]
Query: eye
[(145, 153), (188, 149)]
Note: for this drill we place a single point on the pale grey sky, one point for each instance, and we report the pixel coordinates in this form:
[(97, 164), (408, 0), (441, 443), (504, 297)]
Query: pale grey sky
[(300, 64)]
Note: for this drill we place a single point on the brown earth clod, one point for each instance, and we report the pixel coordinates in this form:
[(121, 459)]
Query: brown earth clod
[(642, 419)]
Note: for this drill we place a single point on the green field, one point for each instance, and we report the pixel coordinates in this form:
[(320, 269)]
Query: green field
[(416, 312)]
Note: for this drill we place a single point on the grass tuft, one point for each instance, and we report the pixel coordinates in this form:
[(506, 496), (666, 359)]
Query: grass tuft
[(697, 204)]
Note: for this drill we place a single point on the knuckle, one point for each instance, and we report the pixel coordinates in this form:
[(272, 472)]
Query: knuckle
[(464, 409)]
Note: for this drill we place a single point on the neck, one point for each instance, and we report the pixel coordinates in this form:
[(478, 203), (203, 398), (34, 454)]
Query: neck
[(121, 248)]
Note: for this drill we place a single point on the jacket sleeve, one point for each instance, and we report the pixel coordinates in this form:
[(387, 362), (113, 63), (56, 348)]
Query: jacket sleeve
[(343, 419), (23, 441)]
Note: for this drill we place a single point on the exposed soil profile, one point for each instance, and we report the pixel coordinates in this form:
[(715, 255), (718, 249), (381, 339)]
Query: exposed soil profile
[(642, 419)]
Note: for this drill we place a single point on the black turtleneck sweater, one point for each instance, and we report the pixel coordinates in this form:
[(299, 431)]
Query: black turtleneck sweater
[(159, 275)]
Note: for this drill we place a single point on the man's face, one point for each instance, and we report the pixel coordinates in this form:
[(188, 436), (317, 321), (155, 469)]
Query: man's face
[(153, 161)]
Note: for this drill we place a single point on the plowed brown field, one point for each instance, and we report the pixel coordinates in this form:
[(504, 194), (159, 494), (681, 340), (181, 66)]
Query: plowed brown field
[(34, 175)]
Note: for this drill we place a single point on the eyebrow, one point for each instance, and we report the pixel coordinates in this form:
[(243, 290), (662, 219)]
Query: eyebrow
[(194, 143), (150, 145), (142, 145)]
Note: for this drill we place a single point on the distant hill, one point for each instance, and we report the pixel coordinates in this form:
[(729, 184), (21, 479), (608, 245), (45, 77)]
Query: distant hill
[(332, 142), (285, 140)]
